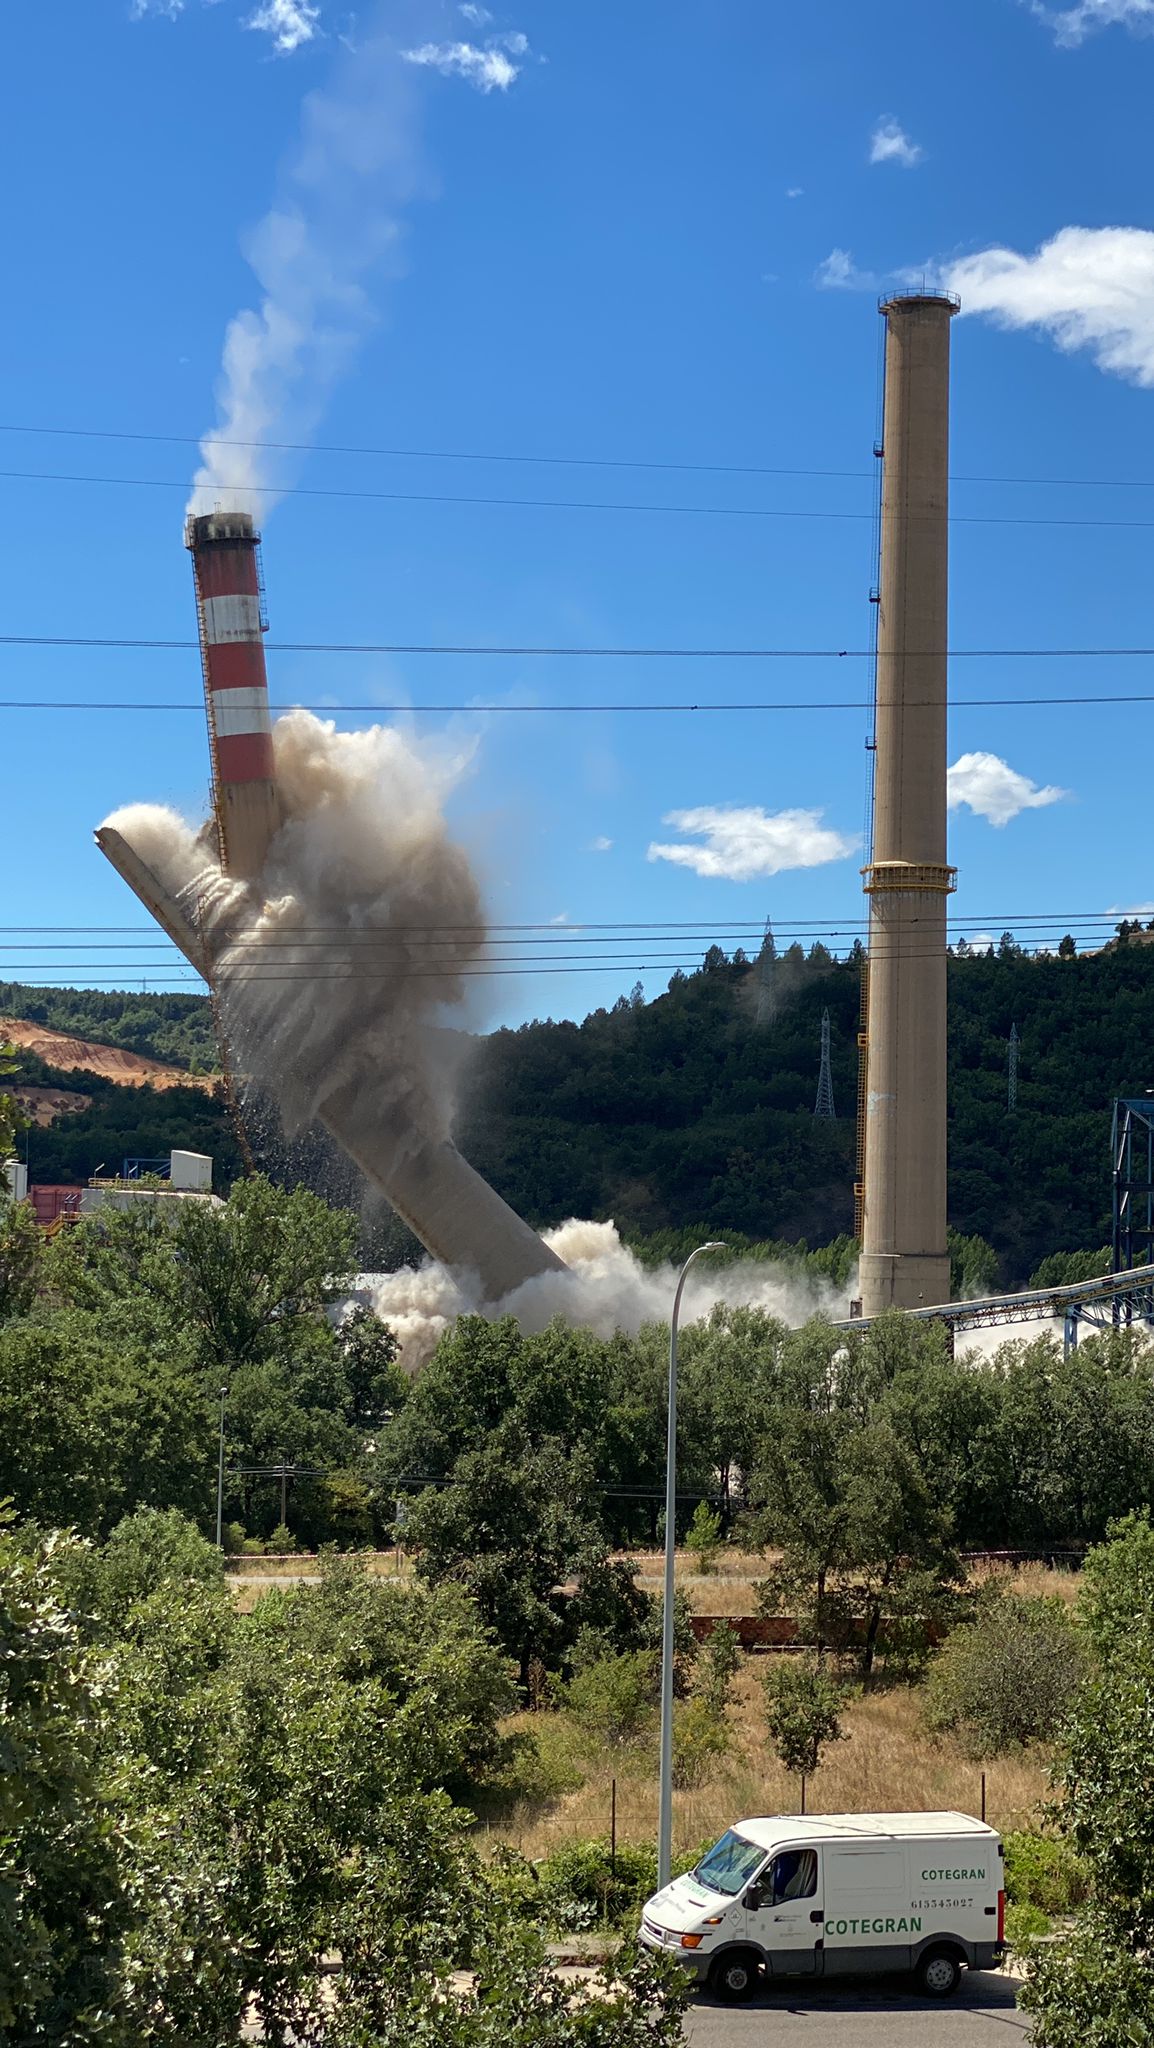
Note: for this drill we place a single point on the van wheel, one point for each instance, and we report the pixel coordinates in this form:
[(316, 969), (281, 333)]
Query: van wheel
[(736, 1976), (939, 1973)]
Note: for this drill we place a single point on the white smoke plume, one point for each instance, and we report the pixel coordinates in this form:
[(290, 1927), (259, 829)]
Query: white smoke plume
[(333, 228), (336, 228), (605, 1288)]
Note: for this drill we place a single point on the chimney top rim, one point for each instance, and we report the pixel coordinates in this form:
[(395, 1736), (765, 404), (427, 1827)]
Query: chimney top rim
[(920, 296)]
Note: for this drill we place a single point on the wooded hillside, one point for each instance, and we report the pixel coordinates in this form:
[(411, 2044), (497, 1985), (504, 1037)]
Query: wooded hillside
[(686, 1111)]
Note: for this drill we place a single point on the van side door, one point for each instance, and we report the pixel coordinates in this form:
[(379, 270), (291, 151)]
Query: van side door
[(784, 1912)]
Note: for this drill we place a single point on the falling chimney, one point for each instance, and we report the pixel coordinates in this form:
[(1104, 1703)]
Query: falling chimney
[(226, 570), (904, 1261)]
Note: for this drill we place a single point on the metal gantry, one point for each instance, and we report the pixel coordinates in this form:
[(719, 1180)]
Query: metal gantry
[(1107, 1301), (1132, 1157)]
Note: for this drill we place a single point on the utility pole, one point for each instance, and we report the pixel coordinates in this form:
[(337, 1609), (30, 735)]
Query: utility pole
[(220, 1477), (824, 1104), (665, 1783), (1012, 1075)]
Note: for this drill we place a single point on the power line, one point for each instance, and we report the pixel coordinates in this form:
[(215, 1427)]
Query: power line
[(156, 483), (379, 712), (686, 929), (675, 653), (237, 977), (550, 461)]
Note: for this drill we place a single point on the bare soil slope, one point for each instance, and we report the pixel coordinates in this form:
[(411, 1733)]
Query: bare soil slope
[(129, 1069), (44, 1105)]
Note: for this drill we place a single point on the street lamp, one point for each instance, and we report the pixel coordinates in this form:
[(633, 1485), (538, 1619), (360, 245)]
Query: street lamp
[(220, 1477), (665, 1811)]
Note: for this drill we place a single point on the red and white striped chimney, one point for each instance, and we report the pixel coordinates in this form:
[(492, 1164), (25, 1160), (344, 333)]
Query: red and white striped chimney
[(228, 600)]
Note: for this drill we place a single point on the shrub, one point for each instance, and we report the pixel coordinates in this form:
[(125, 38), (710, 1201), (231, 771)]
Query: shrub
[(1043, 1871), (717, 1666), (584, 1885), (685, 1644), (1117, 1593), (1006, 1678), (539, 1767), (1023, 1923), (700, 1736), (152, 1548), (615, 1697)]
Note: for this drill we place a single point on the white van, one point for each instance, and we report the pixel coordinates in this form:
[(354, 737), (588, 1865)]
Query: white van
[(837, 1894)]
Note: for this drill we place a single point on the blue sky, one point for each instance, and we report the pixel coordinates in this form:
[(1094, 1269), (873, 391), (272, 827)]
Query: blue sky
[(628, 235)]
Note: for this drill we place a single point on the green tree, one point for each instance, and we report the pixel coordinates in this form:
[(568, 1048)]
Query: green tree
[(11, 1118), (703, 1540), (802, 1713), (246, 1280), (1094, 1988), (95, 1423), (377, 1386), (21, 1257), (510, 1529), (863, 1534), (62, 1906)]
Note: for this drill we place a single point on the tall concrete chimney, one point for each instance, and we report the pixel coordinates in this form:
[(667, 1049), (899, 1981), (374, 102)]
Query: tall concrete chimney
[(226, 571), (904, 1262), (458, 1217)]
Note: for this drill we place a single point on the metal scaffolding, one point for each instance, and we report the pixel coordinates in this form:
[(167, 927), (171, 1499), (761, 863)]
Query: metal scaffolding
[(1132, 1151)]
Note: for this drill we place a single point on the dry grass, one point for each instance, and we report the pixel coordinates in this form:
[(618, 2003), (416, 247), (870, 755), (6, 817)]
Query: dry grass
[(304, 1565), (1037, 1580), (888, 1764), (730, 1588)]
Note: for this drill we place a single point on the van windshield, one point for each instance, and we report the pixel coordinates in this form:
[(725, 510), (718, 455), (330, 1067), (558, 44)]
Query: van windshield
[(730, 1864)]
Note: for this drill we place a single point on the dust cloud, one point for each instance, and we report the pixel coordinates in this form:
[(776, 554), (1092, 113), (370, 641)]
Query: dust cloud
[(339, 974), (604, 1288), (364, 934), (369, 931)]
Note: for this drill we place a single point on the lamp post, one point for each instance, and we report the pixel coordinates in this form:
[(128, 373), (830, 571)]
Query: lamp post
[(665, 1811), (220, 1477)]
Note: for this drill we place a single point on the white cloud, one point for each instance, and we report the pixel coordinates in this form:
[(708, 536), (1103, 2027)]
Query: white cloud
[(289, 22), (562, 917), (1088, 288), (839, 273), (794, 191), (743, 843), (981, 940), (1071, 25), (993, 790), (889, 144), (489, 69), (600, 844), (477, 15)]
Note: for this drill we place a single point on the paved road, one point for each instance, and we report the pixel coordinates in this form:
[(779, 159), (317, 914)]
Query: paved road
[(864, 2014)]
